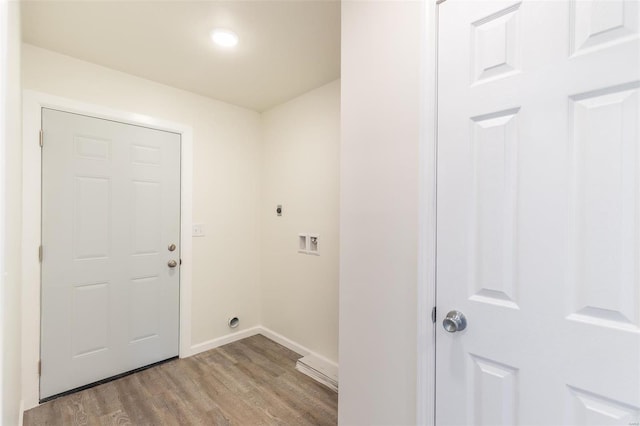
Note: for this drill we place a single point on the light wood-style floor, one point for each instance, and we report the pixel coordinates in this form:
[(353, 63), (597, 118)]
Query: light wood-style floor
[(249, 382)]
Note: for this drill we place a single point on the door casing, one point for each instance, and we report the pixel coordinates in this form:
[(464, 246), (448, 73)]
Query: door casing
[(426, 286), (33, 102)]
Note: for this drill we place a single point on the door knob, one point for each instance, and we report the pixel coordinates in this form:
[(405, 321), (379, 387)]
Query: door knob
[(172, 264), (171, 247), (454, 321)]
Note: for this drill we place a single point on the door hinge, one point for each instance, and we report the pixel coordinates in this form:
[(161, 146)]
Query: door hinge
[(40, 253), (41, 138), (39, 368), (433, 315)]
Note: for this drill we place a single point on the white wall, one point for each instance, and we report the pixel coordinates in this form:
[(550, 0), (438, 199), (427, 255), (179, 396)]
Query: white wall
[(379, 205), (226, 176), (301, 145), (244, 164), (10, 308)]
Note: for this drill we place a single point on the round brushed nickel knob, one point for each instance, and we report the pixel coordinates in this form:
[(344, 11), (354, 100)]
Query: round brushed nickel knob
[(454, 321), (172, 264)]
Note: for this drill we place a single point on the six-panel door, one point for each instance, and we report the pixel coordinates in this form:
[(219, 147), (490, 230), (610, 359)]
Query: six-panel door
[(538, 236), (110, 210)]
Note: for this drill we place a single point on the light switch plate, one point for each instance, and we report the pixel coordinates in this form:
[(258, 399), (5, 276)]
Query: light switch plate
[(198, 230)]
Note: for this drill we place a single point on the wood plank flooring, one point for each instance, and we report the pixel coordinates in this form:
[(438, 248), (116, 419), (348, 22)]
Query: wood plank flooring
[(249, 382)]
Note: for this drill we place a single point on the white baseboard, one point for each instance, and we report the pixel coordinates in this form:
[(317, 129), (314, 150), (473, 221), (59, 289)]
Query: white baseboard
[(287, 343), (21, 413), (296, 347), (321, 364), (229, 338), (266, 332)]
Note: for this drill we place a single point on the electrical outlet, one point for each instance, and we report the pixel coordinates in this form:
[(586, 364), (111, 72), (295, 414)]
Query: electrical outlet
[(198, 230)]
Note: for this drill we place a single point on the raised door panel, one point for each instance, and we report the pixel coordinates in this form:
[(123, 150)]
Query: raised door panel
[(495, 43), (91, 323), (91, 218), (590, 409), (146, 224), (493, 392), (597, 24), (143, 309), (604, 218), (493, 221)]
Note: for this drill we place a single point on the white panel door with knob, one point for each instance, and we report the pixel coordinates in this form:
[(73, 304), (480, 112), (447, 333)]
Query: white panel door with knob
[(110, 211), (538, 229)]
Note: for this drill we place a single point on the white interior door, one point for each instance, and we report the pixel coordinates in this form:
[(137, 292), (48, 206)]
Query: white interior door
[(538, 234), (110, 211)]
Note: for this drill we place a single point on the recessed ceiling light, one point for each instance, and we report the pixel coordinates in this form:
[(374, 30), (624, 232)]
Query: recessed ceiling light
[(224, 38)]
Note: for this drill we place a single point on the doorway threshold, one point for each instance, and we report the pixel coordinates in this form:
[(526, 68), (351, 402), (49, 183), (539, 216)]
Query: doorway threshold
[(103, 381)]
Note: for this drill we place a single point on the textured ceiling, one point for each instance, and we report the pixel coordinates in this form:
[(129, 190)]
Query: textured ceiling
[(286, 47)]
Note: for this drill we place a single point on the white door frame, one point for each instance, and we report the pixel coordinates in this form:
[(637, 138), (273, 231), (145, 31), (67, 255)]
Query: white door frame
[(4, 83), (32, 104), (426, 350)]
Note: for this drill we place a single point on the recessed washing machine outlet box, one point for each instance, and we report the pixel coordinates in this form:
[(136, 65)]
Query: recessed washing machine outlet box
[(314, 244), (303, 243)]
